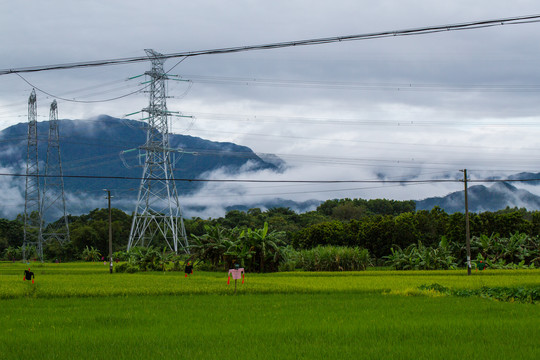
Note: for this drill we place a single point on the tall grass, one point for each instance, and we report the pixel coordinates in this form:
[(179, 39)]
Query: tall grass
[(328, 258)]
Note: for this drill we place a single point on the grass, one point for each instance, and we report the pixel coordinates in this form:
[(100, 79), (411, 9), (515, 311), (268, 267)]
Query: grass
[(80, 311)]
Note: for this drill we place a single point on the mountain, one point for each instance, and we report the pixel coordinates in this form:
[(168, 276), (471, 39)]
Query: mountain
[(109, 147), (482, 198), (526, 176)]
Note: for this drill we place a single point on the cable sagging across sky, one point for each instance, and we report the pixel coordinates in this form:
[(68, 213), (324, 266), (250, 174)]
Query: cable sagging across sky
[(316, 41)]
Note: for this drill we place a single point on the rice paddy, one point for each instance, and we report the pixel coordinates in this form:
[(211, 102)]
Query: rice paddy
[(79, 310)]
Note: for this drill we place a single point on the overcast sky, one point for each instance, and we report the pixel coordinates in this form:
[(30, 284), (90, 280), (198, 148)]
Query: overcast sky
[(423, 106)]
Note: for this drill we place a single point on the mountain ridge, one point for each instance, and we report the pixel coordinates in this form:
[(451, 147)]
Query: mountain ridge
[(482, 198)]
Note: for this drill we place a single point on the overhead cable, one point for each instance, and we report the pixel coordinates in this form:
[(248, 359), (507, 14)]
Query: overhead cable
[(140, 90), (317, 41), (380, 181)]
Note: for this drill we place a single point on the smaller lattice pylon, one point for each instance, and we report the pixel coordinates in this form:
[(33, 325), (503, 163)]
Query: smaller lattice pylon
[(53, 205), (32, 222)]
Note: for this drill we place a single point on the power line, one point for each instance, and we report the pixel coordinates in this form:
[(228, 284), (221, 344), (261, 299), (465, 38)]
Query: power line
[(384, 143), (347, 85), (378, 181), (317, 41), (81, 101), (253, 118), (107, 99)]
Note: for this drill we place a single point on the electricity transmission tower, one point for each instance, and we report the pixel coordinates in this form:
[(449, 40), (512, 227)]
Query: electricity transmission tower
[(53, 203), (32, 205), (157, 212)]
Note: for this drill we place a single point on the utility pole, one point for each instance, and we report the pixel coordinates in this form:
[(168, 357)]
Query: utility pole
[(467, 228), (110, 232)]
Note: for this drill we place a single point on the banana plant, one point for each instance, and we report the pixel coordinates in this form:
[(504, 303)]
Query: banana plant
[(91, 254)]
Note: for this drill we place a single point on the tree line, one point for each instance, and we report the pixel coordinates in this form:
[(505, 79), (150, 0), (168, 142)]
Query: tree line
[(382, 227)]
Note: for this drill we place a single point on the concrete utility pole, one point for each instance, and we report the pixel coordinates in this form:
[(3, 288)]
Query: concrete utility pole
[(467, 229), (110, 232)]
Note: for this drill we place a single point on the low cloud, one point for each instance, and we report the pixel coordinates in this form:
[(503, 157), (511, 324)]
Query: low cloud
[(11, 193)]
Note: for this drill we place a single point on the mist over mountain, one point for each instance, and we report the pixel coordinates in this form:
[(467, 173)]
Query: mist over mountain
[(103, 153)]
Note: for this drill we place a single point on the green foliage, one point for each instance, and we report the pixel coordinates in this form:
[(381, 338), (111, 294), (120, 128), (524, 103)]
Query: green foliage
[(12, 232), (126, 268), (148, 259), (91, 254), (54, 250), (360, 207), (120, 256), (327, 233), (420, 257), (264, 249), (377, 225), (218, 245), (13, 253), (92, 229), (506, 252), (254, 249)]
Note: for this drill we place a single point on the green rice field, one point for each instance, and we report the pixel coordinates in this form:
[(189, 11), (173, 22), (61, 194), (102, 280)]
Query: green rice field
[(79, 310)]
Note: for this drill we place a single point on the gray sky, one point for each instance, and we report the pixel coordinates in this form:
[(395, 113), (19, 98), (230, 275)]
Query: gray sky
[(421, 106)]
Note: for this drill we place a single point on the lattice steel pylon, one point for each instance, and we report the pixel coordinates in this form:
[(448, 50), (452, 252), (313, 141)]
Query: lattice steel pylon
[(158, 211), (53, 200), (32, 205)]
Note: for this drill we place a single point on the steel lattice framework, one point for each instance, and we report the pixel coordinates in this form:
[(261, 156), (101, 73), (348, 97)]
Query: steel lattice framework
[(53, 203), (157, 212), (32, 204)]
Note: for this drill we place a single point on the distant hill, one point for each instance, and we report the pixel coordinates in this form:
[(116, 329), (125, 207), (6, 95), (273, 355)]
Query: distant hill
[(482, 198), (527, 175)]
